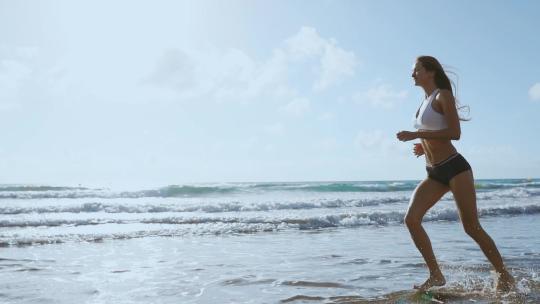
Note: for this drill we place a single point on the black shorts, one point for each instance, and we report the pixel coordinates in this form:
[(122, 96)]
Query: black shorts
[(444, 171)]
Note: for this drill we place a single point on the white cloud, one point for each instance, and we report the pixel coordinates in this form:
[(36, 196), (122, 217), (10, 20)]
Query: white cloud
[(482, 158), (335, 63), (23, 53), (492, 152), (174, 69), (15, 69), (377, 142), (534, 92), (216, 75), (306, 42), (369, 139), (382, 96), (297, 107), (233, 75), (326, 116), (26, 78)]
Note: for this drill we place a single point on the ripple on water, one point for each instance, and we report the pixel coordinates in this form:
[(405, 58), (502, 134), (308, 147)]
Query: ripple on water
[(357, 261), (316, 284), (244, 280)]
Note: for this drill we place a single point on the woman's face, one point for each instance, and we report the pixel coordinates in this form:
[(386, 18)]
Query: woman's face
[(420, 75)]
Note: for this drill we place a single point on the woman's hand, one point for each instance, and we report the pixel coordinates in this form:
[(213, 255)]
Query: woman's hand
[(418, 149), (406, 135)]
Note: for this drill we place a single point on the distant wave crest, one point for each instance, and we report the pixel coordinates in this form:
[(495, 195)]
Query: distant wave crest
[(531, 187)]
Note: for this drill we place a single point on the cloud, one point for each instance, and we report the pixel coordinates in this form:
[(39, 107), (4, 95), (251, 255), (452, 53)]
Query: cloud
[(534, 92), (233, 75), (15, 69), (326, 116), (381, 96), (27, 78), (174, 69), (492, 152), (297, 107), (369, 139), (378, 142), (218, 75), (335, 63)]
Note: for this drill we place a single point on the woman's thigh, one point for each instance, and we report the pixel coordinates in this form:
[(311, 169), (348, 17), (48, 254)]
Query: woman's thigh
[(462, 187), (426, 194)]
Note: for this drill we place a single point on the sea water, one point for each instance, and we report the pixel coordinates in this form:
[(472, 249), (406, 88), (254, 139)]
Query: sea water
[(289, 242)]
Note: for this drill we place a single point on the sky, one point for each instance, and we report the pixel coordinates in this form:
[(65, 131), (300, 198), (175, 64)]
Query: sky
[(153, 93)]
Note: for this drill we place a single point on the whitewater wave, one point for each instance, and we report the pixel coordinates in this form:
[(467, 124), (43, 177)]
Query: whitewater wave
[(348, 219), (35, 234), (233, 206), (242, 204)]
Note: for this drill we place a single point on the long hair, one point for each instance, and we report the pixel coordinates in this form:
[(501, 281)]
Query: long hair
[(441, 79)]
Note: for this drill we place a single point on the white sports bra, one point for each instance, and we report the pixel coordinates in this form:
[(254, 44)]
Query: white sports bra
[(428, 118)]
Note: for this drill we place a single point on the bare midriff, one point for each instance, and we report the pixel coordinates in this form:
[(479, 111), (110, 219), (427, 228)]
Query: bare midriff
[(437, 150)]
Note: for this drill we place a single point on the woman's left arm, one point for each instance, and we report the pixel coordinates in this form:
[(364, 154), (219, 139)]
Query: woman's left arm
[(453, 131)]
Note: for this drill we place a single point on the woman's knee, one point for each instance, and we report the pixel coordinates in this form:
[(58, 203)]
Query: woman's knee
[(412, 220), (473, 230), (426, 194)]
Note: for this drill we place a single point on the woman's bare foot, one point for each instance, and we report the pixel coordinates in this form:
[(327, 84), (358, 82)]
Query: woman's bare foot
[(433, 280), (505, 282)]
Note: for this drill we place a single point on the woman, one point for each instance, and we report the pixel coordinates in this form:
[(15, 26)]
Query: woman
[(438, 123)]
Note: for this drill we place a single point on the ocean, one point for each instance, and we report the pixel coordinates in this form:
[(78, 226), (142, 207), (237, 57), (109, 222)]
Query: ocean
[(254, 242)]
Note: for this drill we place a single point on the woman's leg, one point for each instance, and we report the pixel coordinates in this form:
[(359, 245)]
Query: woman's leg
[(462, 186), (426, 194)]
